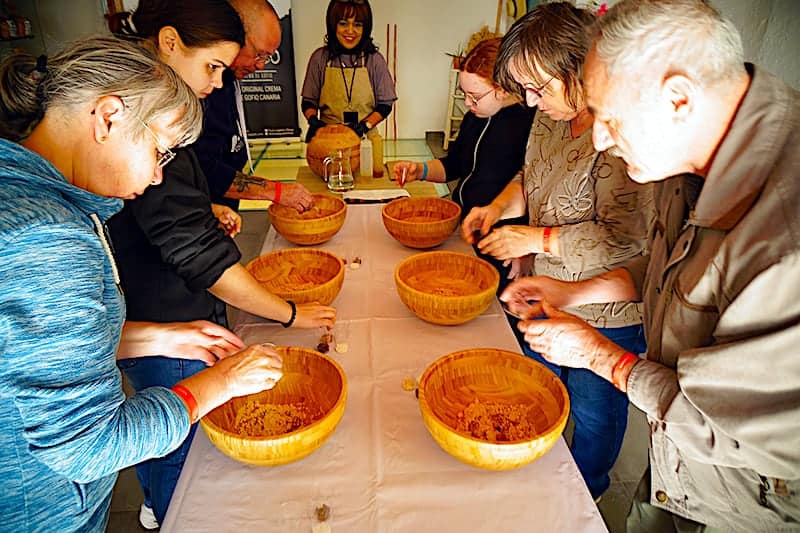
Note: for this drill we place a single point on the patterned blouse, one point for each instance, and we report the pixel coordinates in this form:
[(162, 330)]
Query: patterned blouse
[(602, 214)]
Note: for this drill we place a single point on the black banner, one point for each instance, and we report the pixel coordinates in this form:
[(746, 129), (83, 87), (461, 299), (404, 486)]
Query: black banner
[(269, 95)]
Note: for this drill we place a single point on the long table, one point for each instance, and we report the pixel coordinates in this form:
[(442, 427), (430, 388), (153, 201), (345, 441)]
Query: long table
[(380, 471)]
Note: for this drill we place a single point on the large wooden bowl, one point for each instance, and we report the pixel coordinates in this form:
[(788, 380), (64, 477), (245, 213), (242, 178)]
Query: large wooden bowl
[(309, 377), (329, 139), (421, 222), (302, 275), (446, 288), (315, 226), (457, 380)]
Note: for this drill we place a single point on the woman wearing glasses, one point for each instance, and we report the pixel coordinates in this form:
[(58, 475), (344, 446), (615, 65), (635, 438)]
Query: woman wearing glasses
[(347, 80), (176, 255), (66, 427), (490, 147), (584, 215)]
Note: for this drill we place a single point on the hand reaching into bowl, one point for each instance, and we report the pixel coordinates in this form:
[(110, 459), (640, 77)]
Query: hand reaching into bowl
[(254, 369)]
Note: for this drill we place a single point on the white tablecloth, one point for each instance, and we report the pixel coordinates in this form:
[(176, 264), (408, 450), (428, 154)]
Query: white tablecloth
[(381, 471)]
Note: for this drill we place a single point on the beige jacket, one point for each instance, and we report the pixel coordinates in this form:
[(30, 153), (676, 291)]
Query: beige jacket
[(721, 388)]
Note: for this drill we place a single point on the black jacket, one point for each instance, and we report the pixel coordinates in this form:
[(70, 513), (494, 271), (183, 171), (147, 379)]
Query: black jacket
[(169, 248), (221, 149), (500, 154)]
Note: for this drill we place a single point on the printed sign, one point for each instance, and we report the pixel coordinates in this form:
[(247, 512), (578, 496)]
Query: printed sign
[(269, 95)]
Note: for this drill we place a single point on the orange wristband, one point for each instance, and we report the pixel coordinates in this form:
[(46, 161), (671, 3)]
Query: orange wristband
[(277, 198), (189, 400), (546, 240), (626, 359)]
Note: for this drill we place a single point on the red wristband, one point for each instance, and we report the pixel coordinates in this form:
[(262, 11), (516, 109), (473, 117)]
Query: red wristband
[(546, 240), (277, 198), (189, 400), (626, 359)]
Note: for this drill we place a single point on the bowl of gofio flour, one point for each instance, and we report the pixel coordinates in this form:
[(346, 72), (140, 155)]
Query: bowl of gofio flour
[(287, 422)]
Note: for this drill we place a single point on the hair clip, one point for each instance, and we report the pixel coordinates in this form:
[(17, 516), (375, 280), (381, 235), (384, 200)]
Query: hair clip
[(602, 10), (41, 64)]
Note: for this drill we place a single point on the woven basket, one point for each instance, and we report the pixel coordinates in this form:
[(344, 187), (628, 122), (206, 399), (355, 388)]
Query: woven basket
[(315, 226), (456, 380), (330, 139), (308, 377), (302, 275), (421, 222), (446, 288)]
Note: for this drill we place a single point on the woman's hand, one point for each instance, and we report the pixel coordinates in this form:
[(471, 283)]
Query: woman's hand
[(523, 296), (296, 196), (406, 172), (254, 369), (509, 242), (479, 222), (229, 220), (314, 315), (199, 339)]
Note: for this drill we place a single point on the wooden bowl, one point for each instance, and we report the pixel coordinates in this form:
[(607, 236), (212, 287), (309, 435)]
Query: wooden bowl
[(490, 376), (302, 275), (421, 222), (329, 139), (310, 379), (446, 288), (315, 226)]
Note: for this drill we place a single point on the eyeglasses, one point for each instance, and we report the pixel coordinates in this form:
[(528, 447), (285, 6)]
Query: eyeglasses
[(475, 99), (165, 155), (538, 90)]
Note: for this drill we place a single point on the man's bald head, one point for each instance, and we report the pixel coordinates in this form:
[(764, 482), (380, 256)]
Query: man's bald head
[(262, 35)]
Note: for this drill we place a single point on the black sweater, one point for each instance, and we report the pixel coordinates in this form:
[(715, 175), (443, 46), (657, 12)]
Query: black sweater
[(220, 149), (500, 154), (169, 248)]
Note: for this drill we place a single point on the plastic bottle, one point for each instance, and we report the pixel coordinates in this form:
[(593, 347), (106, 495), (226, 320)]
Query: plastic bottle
[(366, 157), (377, 156)]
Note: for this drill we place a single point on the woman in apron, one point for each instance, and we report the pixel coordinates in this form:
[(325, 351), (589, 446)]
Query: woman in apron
[(347, 80)]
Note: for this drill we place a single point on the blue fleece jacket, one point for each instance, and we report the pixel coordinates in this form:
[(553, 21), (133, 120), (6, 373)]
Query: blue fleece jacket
[(66, 428)]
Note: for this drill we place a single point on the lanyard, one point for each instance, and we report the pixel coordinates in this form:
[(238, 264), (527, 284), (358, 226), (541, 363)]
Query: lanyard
[(348, 90)]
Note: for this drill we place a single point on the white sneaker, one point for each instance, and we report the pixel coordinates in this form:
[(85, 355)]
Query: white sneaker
[(147, 518)]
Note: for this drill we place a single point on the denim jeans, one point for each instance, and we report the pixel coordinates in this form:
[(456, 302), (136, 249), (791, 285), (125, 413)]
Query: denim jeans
[(159, 476), (599, 411)]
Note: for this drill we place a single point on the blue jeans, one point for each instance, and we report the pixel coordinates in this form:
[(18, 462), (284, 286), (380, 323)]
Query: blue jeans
[(159, 476), (599, 411)]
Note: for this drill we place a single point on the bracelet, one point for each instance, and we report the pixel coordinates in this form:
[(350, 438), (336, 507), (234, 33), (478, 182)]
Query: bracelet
[(546, 240), (277, 198), (289, 323), (626, 359), (424, 171), (190, 401)]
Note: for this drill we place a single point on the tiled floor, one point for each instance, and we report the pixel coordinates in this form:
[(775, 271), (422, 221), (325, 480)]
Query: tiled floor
[(281, 162)]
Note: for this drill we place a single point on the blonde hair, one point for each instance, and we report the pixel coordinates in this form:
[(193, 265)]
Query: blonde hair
[(87, 70), (679, 36)]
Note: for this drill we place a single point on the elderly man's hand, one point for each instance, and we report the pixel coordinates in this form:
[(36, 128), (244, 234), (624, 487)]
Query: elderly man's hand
[(566, 340), (296, 196)]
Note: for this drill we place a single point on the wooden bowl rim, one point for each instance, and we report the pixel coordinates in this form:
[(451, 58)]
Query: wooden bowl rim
[(340, 400), (342, 207), (412, 199), (445, 359), (493, 288), (300, 251)]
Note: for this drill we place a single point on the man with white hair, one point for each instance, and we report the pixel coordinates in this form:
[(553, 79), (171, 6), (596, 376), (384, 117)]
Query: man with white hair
[(672, 96)]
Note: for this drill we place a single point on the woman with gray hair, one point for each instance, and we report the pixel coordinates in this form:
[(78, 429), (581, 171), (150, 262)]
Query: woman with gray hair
[(94, 123), (584, 216)]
